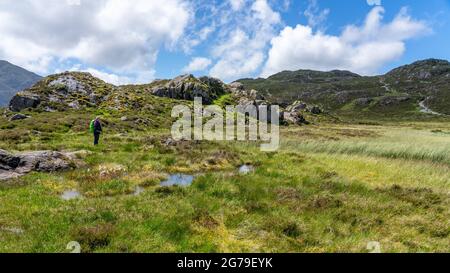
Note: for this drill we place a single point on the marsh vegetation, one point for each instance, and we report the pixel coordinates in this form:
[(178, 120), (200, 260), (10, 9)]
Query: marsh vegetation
[(330, 188)]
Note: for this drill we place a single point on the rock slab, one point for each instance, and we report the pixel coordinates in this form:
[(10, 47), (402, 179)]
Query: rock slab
[(16, 165)]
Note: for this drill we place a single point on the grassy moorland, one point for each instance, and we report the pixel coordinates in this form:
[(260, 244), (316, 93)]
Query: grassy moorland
[(330, 188)]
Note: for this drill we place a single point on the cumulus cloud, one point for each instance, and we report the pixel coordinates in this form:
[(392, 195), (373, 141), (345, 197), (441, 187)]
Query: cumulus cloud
[(242, 48), (197, 64), (124, 36), (362, 49)]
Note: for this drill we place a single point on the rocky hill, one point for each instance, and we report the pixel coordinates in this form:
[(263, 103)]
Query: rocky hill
[(421, 86), (428, 79), (14, 79), (76, 90)]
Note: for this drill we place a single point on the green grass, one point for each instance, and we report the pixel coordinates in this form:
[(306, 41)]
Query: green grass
[(330, 188), (225, 100), (393, 143)]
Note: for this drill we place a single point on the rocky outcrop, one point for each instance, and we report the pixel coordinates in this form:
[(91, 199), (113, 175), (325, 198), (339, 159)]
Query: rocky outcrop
[(294, 114), (187, 87), (72, 92), (67, 84), (245, 97), (16, 165), (23, 101), (293, 118), (69, 90)]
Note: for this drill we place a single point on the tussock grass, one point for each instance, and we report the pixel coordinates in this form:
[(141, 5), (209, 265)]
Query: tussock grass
[(396, 143), (331, 188)]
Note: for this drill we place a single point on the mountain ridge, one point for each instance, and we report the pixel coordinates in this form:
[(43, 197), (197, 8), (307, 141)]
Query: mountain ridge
[(401, 89)]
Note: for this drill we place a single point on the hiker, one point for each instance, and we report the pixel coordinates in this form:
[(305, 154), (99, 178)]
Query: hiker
[(96, 129)]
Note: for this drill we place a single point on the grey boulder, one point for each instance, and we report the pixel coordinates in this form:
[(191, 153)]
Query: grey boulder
[(16, 165), (23, 101)]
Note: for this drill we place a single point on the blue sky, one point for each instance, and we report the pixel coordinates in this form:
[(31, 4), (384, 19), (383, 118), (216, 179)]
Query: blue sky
[(436, 13), (137, 41)]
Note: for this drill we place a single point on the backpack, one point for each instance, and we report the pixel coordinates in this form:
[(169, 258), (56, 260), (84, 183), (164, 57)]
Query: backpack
[(92, 126)]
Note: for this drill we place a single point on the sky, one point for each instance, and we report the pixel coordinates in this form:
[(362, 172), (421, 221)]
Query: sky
[(137, 41)]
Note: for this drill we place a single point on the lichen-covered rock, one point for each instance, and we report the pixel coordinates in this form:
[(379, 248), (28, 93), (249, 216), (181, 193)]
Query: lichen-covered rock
[(16, 165), (69, 90), (243, 95), (187, 87), (293, 118), (67, 84)]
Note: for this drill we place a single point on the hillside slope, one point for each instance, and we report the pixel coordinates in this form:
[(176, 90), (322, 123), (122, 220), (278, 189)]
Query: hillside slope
[(14, 79), (400, 92)]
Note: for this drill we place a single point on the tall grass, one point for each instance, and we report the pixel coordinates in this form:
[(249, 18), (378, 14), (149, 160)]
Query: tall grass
[(395, 144)]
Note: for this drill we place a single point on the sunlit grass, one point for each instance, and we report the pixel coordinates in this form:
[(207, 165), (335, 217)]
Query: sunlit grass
[(393, 143), (331, 188)]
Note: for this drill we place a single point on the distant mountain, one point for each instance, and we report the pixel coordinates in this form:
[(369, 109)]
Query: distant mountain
[(421, 86), (14, 79)]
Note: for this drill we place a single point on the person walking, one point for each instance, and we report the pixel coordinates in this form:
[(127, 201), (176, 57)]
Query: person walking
[(96, 129)]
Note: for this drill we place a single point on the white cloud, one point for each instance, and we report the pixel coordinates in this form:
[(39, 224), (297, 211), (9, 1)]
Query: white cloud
[(122, 36), (314, 15), (237, 4), (241, 50), (197, 64), (362, 49)]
